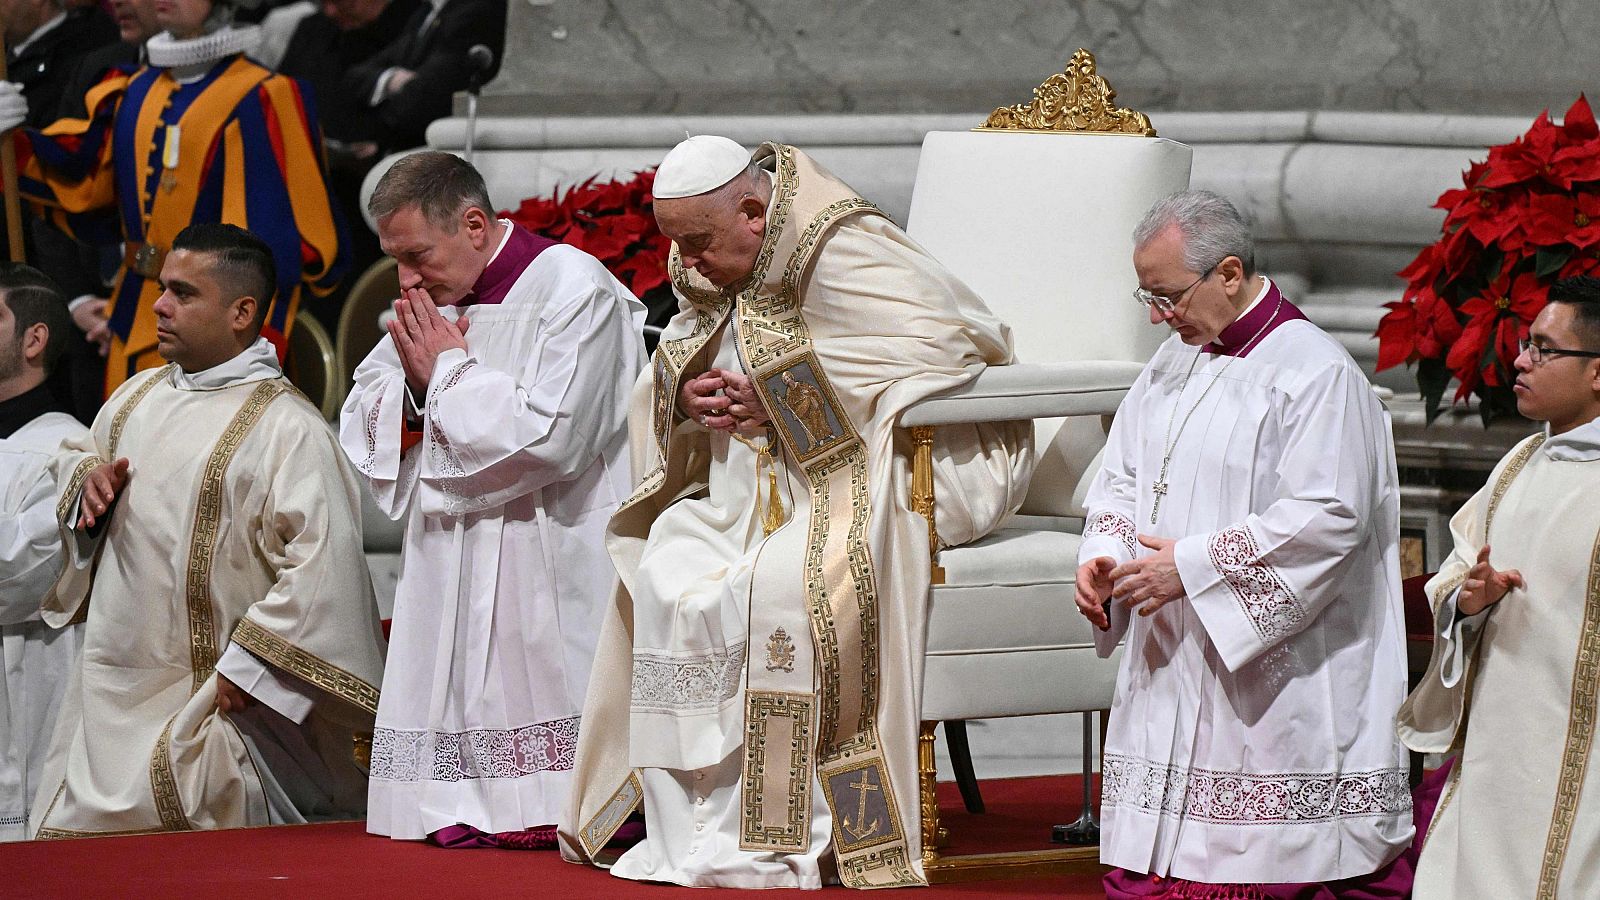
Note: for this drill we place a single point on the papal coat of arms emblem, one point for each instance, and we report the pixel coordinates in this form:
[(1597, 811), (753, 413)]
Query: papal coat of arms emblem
[(780, 652)]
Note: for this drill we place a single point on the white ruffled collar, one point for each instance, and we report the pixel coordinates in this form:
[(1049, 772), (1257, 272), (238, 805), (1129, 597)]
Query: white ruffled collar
[(192, 57), (1581, 444), (258, 362)]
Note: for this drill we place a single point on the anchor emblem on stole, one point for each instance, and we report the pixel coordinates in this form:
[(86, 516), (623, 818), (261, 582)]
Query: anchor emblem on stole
[(857, 829)]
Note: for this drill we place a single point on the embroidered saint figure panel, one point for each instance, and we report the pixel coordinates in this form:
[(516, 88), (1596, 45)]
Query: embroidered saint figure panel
[(805, 409)]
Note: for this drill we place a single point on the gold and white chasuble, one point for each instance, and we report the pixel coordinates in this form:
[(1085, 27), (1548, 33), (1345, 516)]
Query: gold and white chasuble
[(236, 543), (1512, 692), (758, 693), (1251, 737)]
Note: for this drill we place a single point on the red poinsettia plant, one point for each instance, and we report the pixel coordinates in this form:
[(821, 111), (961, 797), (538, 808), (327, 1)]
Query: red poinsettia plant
[(613, 221), (1523, 218)]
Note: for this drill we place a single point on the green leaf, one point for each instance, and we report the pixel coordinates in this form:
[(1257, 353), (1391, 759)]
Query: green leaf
[(1433, 376), (1549, 260)]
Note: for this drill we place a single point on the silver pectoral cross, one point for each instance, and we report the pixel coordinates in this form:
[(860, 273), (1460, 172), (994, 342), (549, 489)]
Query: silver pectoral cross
[(1160, 490)]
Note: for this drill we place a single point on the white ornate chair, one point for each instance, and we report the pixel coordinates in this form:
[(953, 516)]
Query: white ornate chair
[(1040, 225)]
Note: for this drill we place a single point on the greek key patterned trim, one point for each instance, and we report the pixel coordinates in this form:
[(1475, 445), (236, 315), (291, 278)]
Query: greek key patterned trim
[(120, 420), (482, 753), (1245, 798), (1580, 736), (1503, 484), (65, 506), (686, 682), (164, 787), (1266, 599), (305, 666), (203, 534), (1117, 526), (779, 766)]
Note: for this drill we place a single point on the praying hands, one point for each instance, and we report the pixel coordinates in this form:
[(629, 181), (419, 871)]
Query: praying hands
[(420, 334), (724, 400)]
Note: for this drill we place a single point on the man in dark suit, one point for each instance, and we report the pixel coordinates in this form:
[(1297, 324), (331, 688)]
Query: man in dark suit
[(411, 83), (44, 40)]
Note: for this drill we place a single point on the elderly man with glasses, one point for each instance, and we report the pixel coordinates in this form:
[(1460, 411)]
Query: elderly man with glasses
[(1517, 610), (1243, 538)]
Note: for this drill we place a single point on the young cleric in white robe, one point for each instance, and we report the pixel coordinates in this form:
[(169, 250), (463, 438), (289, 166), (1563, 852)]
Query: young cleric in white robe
[(1510, 690), (35, 659), (1243, 537), (493, 418), (232, 650)]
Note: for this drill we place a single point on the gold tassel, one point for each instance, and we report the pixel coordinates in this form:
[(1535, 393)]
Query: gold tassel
[(772, 517)]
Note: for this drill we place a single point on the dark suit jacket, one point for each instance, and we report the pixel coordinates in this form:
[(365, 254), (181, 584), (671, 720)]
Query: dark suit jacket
[(435, 47), (45, 66), (90, 68)]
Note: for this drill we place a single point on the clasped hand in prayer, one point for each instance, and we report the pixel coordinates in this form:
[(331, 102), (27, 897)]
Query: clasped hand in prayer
[(420, 334), (1146, 584), (724, 400)]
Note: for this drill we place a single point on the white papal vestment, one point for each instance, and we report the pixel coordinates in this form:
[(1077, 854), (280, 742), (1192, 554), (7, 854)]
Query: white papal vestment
[(1251, 736), (1511, 691), (759, 689), (35, 659), (521, 460)]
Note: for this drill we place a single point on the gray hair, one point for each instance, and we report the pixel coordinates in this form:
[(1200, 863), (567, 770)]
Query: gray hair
[(443, 186), (752, 180), (1212, 229)]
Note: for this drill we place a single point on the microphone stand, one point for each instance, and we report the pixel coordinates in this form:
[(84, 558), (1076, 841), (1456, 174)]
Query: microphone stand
[(474, 85)]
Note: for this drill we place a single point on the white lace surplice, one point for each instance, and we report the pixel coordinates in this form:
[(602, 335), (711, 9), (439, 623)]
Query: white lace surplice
[(1252, 736), (504, 569)]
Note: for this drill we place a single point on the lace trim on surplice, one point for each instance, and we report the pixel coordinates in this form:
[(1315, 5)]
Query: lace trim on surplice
[(481, 753), (1265, 597), (675, 683), (1117, 526), (1246, 798)]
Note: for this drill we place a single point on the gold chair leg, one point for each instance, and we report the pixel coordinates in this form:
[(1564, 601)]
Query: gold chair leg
[(928, 782)]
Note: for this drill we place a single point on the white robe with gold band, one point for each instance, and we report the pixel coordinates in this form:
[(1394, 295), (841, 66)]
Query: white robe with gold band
[(1511, 692), (1251, 737), (235, 546), (35, 659), (758, 693)]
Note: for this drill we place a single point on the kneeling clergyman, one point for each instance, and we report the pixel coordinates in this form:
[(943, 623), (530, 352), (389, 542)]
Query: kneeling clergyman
[(232, 649), (1248, 510), (755, 685), (493, 420), (1510, 691), (35, 658)]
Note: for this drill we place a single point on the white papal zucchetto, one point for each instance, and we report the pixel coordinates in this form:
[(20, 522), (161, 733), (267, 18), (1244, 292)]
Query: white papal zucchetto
[(698, 165)]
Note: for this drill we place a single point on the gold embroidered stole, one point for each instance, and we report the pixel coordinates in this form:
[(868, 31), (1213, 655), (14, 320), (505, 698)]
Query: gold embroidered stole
[(811, 708)]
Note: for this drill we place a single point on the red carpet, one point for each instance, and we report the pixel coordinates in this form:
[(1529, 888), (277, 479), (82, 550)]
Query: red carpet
[(342, 862)]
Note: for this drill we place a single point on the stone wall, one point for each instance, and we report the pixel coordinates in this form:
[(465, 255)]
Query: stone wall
[(619, 57)]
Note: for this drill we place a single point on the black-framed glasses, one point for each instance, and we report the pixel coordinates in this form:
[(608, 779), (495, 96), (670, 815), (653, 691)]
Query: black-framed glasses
[(1169, 304), (1536, 353)]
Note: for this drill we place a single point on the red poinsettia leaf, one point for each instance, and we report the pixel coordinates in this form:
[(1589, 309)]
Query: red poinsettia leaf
[(1578, 124), (1397, 336)]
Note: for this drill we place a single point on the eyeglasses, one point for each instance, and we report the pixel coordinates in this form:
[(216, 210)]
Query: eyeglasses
[(1168, 304), (1536, 353)]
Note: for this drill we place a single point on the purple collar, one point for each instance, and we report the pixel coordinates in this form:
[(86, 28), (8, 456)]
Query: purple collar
[(1249, 330), (521, 248)]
